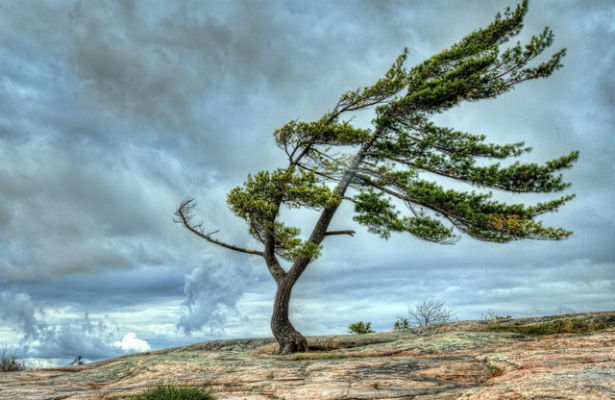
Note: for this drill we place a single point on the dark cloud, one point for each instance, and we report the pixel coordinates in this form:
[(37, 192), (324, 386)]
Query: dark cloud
[(78, 208), (129, 287)]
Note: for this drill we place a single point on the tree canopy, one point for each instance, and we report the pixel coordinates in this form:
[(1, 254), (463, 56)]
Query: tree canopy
[(397, 156)]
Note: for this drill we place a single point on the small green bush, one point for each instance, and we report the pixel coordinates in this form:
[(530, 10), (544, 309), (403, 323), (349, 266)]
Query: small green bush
[(360, 328), (169, 392), (9, 363), (401, 323)]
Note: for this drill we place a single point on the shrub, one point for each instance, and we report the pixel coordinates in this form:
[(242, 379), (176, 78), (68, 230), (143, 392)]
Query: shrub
[(430, 312), (401, 323), (78, 360), (10, 363), (492, 317), (493, 320), (360, 328), (169, 392)]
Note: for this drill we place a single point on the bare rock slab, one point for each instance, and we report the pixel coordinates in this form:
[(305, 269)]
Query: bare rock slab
[(461, 360)]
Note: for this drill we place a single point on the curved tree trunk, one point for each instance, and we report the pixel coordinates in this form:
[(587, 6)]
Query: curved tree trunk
[(290, 340), (288, 337)]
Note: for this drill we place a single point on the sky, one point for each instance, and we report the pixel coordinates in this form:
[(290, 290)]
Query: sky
[(113, 112)]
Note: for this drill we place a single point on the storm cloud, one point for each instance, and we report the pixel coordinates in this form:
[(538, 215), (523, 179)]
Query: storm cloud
[(64, 339), (113, 112)]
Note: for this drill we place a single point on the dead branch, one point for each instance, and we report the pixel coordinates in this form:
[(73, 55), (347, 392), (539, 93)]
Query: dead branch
[(348, 232), (184, 217)]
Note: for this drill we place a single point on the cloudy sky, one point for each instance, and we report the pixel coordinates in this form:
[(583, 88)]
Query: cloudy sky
[(112, 112)]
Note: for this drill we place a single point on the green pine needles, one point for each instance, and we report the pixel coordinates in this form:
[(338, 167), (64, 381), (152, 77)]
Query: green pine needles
[(404, 158)]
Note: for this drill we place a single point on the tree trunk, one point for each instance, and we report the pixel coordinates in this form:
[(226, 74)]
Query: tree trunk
[(289, 339)]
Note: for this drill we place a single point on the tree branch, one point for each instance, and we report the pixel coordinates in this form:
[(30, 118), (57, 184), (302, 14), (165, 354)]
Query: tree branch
[(350, 199), (320, 229), (184, 217), (318, 173), (347, 232), (453, 220)]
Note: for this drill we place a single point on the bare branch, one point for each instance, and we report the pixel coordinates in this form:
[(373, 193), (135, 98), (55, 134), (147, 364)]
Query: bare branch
[(184, 214), (330, 177), (347, 232), (430, 312), (300, 156), (298, 145)]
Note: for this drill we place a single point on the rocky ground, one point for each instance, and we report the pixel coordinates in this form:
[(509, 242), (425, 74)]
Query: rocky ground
[(452, 361)]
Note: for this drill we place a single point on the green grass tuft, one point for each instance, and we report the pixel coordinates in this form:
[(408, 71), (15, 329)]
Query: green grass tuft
[(168, 392)]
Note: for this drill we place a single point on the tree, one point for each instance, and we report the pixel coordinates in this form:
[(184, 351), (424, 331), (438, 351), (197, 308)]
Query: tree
[(430, 312), (360, 328), (331, 161)]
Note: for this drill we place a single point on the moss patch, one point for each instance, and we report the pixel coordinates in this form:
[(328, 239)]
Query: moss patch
[(566, 325)]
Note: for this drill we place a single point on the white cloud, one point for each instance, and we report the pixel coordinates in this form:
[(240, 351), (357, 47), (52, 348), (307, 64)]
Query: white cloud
[(212, 292), (130, 342)]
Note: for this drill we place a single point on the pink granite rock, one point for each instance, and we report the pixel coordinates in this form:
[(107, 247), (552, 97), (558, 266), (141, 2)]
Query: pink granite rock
[(452, 361)]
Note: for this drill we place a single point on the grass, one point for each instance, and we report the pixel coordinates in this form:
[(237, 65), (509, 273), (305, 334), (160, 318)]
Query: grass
[(566, 325), (169, 392), (9, 363)]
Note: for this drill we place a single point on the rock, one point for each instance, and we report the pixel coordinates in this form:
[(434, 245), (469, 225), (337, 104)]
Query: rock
[(458, 360)]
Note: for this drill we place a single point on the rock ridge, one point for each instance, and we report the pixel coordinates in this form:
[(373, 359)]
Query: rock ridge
[(501, 359)]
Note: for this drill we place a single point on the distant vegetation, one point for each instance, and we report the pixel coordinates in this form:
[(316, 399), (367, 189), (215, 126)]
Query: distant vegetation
[(565, 325), (401, 323), (427, 312), (10, 362), (360, 328), (491, 317), (169, 392)]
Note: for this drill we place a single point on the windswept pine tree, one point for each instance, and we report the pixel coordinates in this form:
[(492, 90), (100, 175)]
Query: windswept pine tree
[(394, 163)]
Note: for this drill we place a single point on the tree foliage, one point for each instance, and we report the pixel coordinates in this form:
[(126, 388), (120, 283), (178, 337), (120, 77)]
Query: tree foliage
[(404, 148), (360, 328)]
